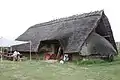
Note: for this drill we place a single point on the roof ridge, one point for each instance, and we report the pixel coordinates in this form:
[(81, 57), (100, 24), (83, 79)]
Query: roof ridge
[(73, 17)]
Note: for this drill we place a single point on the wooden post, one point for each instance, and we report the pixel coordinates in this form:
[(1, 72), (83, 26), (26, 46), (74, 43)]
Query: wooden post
[(53, 48), (118, 46), (10, 49), (1, 54), (30, 50)]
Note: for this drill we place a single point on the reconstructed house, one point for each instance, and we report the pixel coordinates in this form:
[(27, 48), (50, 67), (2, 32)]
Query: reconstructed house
[(85, 35)]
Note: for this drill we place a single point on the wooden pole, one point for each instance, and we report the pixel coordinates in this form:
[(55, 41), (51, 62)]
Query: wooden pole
[(30, 50), (118, 47), (10, 49), (1, 54)]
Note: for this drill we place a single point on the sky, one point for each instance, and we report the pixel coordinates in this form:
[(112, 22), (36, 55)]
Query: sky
[(16, 16)]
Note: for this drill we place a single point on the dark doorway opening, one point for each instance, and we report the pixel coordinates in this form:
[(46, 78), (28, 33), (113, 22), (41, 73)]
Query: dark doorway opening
[(49, 48)]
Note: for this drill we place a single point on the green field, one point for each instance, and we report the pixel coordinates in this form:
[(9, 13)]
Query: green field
[(40, 70)]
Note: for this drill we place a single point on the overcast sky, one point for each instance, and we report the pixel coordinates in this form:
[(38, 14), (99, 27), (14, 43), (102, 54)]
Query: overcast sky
[(16, 16)]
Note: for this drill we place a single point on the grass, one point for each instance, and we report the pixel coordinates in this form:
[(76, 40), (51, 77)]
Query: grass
[(89, 61), (40, 70)]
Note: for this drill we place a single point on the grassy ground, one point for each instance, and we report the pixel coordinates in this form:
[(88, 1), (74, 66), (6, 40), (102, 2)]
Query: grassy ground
[(39, 70)]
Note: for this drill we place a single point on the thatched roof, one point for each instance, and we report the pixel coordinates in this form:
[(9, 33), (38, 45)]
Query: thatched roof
[(71, 31)]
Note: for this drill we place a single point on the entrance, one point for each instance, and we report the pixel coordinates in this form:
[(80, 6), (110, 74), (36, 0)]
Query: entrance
[(50, 49)]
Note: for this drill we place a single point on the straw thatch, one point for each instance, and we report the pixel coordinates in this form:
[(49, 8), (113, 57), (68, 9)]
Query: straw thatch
[(72, 31)]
